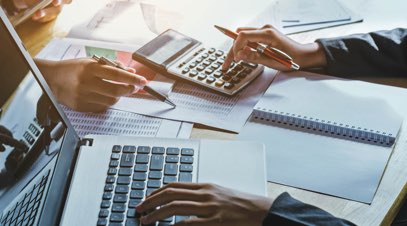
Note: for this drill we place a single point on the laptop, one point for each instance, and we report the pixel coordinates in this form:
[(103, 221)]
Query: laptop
[(49, 176)]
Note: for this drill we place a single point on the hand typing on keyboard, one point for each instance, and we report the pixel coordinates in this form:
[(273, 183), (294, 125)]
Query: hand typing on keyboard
[(212, 204)]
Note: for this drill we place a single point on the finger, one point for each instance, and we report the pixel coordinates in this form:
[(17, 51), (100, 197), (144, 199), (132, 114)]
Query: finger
[(228, 60), (255, 57), (110, 89), (118, 75), (170, 195), (244, 37), (5, 131), (57, 2), (47, 14), (129, 69), (246, 29), (183, 208), (88, 107), (192, 186)]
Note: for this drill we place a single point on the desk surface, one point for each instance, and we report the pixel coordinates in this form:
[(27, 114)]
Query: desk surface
[(377, 15)]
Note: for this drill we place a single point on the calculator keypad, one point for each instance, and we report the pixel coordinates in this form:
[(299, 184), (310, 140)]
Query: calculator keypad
[(205, 68)]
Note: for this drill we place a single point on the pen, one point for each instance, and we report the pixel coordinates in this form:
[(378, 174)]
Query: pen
[(148, 89), (271, 52)]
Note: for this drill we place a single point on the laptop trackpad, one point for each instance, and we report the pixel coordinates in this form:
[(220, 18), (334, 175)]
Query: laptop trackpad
[(238, 165)]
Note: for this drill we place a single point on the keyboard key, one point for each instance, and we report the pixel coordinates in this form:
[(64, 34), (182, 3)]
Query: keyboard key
[(150, 190), (132, 222), (142, 158), (239, 67), (173, 151), (131, 213), (212, 58), (217, 74), (219, 53), (171, 159), (185, 177), (157, 162), (169, 179), (205, 55), (155, 175), (143, 150), (226, 78), (121, 189), (201, 77), (129, 149), (105, 204), (117, 149), (208, 71), (136, 194), (193, 73), (251, 65), (206, 63), (192, 65), (103, 213), (141, 168), (134, 202), (115, 156), (180, 218), (109, 187), (186, 168), (171, 169), (140, 176), (158, 150), (211, 50), (112, 171), (124, 180), (125, 171), (138, 185), (185, 70), (117, 217), (114, 163), (119, 207), (120, 198), (220, 61), (127, 160), (236, 80), (215, 66), (187, 159), (107, 195), (154, 184), (248, 70), (229, 85), (199, 60), (219, 83), (200, 68), (187, 151), (242, 75), (110, 179), (102, 222)]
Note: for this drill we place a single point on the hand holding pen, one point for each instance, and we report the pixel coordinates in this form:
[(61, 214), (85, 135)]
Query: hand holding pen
[(146, 88), (291, 55)]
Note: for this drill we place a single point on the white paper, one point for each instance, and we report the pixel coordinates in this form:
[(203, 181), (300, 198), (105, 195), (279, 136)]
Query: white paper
[(194, 104)]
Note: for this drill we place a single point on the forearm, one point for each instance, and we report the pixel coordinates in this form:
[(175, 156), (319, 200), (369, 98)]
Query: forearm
[(291, 212), (382, 53)]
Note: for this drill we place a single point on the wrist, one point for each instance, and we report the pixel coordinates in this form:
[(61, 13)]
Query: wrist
[(312, 55)]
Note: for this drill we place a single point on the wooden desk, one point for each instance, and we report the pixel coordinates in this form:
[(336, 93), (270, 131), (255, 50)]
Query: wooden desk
[(377, 15)]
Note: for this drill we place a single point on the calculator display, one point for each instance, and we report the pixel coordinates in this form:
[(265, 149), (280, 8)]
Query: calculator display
[(166, 47)]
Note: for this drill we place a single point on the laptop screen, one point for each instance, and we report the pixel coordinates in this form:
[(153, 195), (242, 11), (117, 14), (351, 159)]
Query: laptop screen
[(31, 130)]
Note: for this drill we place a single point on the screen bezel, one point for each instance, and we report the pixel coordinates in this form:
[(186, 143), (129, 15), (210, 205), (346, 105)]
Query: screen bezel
[(59, 183), (167, 63)]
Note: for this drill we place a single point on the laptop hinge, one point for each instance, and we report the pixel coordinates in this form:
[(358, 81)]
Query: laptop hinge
[(86, 142)]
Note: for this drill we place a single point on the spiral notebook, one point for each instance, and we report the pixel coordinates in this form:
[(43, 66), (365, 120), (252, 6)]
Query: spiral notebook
[(325, 134)]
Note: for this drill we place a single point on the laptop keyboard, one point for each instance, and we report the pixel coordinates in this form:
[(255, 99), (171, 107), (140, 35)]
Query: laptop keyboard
[(25, 210), (135, 172)]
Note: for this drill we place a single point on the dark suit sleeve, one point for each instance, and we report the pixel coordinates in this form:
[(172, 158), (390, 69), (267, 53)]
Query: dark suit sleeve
[(381, 53), (288, 211)]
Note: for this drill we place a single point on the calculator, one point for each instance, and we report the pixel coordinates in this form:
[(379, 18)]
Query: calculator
[(184, 58)]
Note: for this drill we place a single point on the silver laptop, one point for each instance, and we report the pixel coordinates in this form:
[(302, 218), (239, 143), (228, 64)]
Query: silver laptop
[(49, 176)]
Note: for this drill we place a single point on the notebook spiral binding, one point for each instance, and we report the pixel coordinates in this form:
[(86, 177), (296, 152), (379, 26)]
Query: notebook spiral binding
[(324, 127)]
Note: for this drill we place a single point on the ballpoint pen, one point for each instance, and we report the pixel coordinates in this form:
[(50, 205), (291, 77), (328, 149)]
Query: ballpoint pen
[(148, 89), (271, 52)]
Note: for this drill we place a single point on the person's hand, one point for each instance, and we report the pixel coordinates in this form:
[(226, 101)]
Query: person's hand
[(211, 204), (306, 55), (46, 14), (84, 85)]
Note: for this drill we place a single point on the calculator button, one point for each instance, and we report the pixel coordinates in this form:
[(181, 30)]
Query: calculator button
[(242, 75), (217, 74), (219, 53), (221, 61), (199, 60), (248, 70), (205, 55), (239, 67), (251, 65), (193, 73), (219, 83), (229, 85), (226, 77), (201, 77), (215, 66), (235, 80), (210, 80), (211, 50), (185, 70), (200, 68), (208, 71), (212, 58), (206, 63), (192, 65)]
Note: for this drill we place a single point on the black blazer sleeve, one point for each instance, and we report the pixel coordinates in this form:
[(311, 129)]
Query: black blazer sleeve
[(288, 211), (381, 53)]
